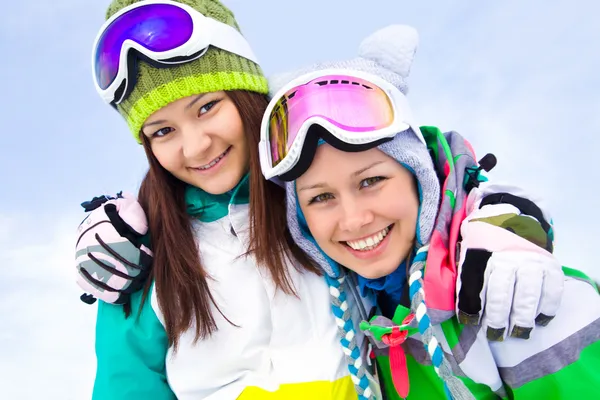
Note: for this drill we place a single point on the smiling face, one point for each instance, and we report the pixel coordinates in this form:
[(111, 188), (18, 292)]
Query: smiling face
[(200, 140), (361, 209)]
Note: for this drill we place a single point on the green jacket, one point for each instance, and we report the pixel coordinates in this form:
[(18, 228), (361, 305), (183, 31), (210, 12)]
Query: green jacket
[(559, 361)]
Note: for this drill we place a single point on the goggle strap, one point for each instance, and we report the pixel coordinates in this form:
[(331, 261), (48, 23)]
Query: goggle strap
[(227, 38), (222, 36)]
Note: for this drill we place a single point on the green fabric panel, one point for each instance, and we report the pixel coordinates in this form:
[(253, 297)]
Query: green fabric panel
[(450, 194), (131, 353), (575, 273), (241, 193), (204, 206), (434, 137), (425, 383), (580, 380), (211, 207), (430, 134), (479, 390), (452, 330)]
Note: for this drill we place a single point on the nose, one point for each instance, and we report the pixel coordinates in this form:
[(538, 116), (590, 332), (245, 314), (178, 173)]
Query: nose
[(355, 213), (195, 142)]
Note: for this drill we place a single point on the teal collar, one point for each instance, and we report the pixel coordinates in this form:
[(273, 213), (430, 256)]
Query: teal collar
[(210, 207)]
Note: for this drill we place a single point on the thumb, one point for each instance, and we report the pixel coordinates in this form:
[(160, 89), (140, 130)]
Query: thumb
[(132, 213)]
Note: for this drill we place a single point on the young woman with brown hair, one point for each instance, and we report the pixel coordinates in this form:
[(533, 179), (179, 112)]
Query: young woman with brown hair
[(231, 309)]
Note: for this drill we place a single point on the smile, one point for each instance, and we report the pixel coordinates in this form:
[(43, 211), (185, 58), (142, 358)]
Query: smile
[(214, 162), (371, 242)]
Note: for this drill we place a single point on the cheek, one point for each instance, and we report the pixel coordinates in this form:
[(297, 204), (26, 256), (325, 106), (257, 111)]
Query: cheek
[(241, 142), (166, 156), (411, 208), (230, 126), (231, 132), (320, 226), (408, 215), (401, 208)]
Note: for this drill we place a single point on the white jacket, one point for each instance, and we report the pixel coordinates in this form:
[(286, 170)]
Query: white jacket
[(282, 347)]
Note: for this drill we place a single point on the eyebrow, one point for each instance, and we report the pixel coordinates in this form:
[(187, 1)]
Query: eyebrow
[(190, 105), (201, 95), (315, 186), (162, 121), (365, 169), (354, 174)]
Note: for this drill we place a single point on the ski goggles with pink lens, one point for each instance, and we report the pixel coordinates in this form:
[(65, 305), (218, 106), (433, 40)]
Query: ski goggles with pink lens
[(351, 110), (161, 32)]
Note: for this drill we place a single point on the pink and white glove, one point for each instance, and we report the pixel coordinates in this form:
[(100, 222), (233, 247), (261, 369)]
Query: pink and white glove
[(111, 260), (508, 278)]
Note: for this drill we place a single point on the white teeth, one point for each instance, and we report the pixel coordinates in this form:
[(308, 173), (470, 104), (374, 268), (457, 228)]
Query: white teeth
[(213, 162), (370, 242)]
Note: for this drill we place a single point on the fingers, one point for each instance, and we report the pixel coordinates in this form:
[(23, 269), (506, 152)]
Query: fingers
[(111, 260), (121, 253), (499, 296), (528, 290), (89, 286), (132, 214), (552, 290), (118, 267), (108, 268), (509, 292), (102, 269), (119, 225)]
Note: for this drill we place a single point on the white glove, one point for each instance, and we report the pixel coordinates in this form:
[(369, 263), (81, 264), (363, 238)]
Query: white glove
[(508, 278)]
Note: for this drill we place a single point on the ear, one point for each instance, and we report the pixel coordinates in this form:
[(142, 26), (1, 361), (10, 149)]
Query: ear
[(392, 47)]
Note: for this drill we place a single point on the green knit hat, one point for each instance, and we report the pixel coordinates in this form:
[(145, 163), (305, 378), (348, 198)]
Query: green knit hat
[(216, 70)]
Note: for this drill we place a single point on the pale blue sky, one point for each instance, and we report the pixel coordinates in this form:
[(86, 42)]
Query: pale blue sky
[(519, 79)]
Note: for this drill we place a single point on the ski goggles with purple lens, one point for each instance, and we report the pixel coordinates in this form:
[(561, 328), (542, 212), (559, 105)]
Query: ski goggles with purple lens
[(351, 110), (161, 32)]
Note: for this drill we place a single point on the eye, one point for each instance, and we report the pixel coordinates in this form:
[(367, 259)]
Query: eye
[(368, 182), (322, 198), (162, 132), (207, 107)]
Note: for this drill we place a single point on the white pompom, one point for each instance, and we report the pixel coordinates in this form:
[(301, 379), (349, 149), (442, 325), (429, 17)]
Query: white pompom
[(392, 47), (278, 81)]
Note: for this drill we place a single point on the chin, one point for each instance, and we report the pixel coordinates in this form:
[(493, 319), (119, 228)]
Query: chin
[(379, 270), (375, 274), (370, 272), (222, 183), (219, 187)]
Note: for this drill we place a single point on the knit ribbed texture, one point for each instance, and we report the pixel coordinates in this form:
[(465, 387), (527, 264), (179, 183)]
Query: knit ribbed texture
[(216, 70)]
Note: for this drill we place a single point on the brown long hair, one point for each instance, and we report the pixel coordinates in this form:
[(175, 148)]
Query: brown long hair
[(181, 282)]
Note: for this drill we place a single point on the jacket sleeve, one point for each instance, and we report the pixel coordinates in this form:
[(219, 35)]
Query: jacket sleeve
[(131, 353), (559, 361)]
